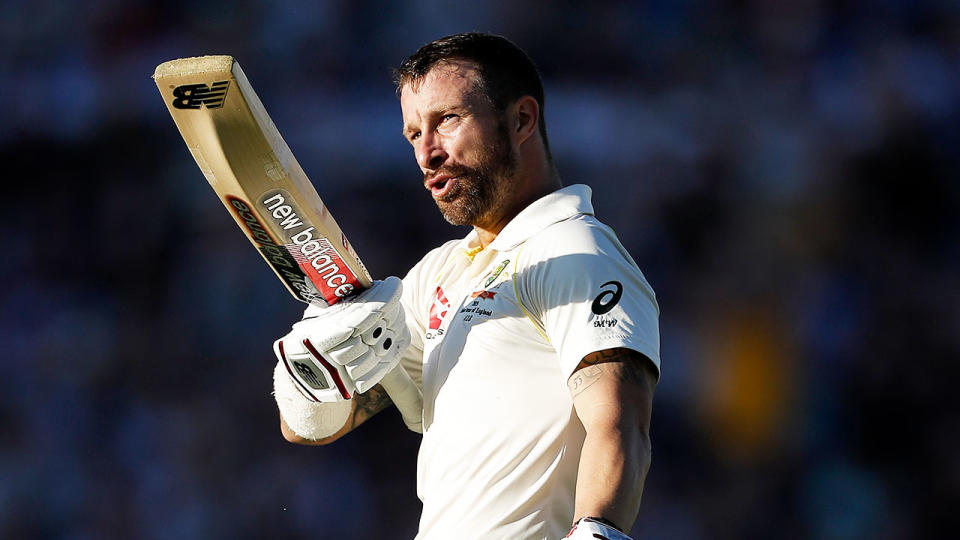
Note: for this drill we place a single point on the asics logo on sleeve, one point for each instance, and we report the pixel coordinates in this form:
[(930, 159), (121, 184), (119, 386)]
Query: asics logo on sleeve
[(608, 298)]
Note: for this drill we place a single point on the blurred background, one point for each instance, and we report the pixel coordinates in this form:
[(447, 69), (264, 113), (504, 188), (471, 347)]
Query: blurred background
[(785, 173)]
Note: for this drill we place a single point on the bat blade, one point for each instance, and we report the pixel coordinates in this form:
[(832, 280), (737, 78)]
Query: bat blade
[(246, 161)]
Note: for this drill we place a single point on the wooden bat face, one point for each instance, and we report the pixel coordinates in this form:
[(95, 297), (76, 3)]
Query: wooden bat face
[(248, 164)]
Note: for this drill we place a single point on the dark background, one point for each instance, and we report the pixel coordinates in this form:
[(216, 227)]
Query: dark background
[(785, 173)]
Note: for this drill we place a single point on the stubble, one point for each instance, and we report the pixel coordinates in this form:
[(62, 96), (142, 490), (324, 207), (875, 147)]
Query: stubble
[(479, 191)]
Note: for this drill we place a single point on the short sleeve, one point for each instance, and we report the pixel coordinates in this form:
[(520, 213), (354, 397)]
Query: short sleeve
[(586, 293)]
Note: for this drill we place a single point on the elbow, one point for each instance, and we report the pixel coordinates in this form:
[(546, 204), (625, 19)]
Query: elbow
[(638, 446), (638, 454), (291, 437), (636, 436), (645, 449), (640, 443), (642, 450)]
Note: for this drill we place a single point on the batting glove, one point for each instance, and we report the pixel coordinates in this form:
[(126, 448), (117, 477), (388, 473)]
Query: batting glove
[(347, 347), (591, 529)]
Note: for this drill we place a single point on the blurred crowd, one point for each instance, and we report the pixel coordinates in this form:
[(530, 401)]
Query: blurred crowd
[(785, 174)]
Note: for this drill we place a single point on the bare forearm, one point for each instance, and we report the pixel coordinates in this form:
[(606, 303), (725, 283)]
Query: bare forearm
[(612, 392), (613, 467)]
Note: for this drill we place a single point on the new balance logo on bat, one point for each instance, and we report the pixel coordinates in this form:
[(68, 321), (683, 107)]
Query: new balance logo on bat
[(192, 96)]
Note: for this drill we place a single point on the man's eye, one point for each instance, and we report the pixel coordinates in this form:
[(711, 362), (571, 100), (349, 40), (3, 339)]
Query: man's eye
[(415, 136), (448, 117)]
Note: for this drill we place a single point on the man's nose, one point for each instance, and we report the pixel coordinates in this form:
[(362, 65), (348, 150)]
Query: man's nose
[(431, 155)]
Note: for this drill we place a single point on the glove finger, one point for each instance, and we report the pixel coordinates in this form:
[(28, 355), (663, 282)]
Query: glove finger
[(374, 335), (391, 347), (387, 344), (385, 292), (367, 309), (315, 310), (360, 317), (348, 351), (361, 367), (391, 313), (323, 333), (373, 377)]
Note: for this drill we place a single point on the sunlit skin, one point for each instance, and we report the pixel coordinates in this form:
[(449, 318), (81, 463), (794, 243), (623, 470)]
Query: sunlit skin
[(482, 167)]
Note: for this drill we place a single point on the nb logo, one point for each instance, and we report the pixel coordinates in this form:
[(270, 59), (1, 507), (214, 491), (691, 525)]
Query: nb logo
[(310, 376), (192, 96)]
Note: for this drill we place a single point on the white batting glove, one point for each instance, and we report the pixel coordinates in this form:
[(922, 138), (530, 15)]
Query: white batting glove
[(347, 347), (591, 529)]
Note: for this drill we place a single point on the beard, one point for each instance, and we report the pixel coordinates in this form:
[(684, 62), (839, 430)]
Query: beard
[(479, 191)]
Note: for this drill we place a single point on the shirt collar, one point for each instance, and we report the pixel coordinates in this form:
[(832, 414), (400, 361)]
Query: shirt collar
[(558, 206)]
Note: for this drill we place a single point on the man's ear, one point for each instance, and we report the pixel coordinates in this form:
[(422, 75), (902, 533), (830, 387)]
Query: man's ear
[(525, 119)]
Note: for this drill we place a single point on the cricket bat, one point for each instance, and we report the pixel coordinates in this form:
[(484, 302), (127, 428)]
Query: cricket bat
[(246, 161)]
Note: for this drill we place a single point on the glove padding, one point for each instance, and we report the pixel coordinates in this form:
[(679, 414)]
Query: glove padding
[(591, 529), (347, 347)]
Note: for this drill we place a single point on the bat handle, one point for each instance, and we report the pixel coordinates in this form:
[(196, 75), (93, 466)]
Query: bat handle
[(406, 396)]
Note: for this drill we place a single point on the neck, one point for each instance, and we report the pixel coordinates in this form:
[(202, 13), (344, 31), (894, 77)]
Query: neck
[(545, 183)]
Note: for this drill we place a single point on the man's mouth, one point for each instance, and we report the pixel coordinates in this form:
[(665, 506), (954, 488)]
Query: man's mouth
[(440, 185)]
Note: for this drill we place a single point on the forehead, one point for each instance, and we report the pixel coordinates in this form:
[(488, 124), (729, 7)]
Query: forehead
[(448, 84)]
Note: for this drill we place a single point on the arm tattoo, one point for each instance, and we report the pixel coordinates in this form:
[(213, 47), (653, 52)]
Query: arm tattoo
[(368, 404), (625, 364), (583, 378)]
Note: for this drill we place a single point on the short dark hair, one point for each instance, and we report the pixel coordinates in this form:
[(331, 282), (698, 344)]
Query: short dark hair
[(506, 72)]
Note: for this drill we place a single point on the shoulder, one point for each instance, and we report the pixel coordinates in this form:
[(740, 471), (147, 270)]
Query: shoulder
[(582, 236), (576, 260)]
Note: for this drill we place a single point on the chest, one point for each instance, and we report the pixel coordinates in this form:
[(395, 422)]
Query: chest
[(479, 341), (475, 306)]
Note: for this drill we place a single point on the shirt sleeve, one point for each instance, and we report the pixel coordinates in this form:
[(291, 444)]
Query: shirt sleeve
[(587, 294)]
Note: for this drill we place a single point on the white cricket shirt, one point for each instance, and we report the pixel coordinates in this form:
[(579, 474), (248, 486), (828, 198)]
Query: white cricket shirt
[(496, 334)]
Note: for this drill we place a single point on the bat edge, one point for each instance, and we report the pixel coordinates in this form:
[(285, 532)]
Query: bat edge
[(195, 64)]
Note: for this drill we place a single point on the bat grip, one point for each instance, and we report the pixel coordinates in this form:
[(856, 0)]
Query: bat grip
[(406, 396)]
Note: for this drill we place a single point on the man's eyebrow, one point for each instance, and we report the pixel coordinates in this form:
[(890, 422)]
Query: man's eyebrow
[(408, 130), (436, 111)]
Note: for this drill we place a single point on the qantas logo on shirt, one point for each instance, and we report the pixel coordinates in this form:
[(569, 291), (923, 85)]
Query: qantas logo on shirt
[(438, 310)]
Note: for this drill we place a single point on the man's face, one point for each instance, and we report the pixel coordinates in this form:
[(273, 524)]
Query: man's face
[(460, 142)]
